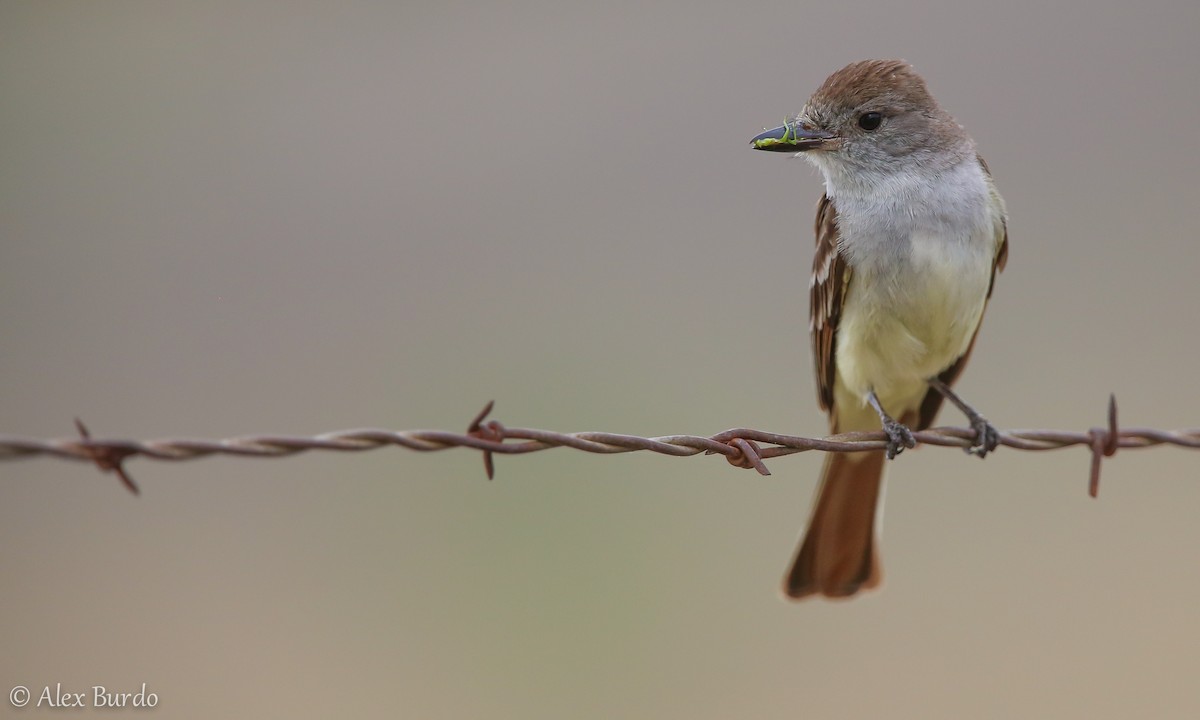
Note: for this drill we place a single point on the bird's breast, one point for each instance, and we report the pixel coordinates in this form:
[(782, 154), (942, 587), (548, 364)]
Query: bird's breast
[(910, 312)]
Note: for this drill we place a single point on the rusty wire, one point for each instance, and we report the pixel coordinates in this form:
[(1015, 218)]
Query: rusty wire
[(742, 447)]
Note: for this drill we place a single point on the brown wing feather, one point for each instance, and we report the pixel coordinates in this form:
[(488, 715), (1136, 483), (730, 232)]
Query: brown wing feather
[(933, 399), (827, 289)]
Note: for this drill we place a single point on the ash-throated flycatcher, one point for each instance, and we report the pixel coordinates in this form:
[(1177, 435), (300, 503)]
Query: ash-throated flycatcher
[(910, 235)]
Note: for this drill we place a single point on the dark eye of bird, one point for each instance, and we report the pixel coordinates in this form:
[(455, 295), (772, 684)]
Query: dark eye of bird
[(870, 120)]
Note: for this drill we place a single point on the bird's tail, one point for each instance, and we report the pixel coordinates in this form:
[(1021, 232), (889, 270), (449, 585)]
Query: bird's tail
[(837, 557)]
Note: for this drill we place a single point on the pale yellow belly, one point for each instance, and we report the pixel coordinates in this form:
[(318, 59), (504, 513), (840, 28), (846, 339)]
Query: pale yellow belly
[(900, 328)]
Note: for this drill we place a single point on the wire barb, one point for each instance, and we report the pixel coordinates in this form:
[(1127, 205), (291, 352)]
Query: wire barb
[(748, 456), (491, 430), (1105, 442), (741, 447), (107, 457)]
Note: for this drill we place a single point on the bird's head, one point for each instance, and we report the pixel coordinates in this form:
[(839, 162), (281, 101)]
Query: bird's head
[(873, 116)]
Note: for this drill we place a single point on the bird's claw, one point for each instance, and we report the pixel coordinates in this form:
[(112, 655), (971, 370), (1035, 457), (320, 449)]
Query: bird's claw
[(987, 438), (899, 437)]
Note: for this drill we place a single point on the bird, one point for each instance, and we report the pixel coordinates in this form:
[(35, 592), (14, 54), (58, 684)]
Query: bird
[(911, 233)]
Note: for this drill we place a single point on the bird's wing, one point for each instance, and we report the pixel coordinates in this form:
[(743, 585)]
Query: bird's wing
[(827, 290)]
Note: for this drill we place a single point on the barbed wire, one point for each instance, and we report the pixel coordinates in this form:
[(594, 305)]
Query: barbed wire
[(742, 447)]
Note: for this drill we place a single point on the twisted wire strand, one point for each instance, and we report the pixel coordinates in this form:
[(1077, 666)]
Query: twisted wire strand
[(742, 447)]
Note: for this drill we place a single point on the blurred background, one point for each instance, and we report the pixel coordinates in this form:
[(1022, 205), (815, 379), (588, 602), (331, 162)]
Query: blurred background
[(229, 218)]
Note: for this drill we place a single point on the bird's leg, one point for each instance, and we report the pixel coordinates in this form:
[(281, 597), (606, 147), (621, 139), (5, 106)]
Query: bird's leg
[(899, 436), (986, 435)]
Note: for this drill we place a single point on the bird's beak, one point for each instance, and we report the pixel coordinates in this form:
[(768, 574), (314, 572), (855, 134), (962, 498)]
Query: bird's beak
[(790, 137)]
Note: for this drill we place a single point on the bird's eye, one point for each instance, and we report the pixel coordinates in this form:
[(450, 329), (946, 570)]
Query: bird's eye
[(870, 120)]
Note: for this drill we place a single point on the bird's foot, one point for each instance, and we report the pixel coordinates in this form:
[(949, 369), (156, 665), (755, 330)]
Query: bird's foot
[(987, 438), (899, 437)]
